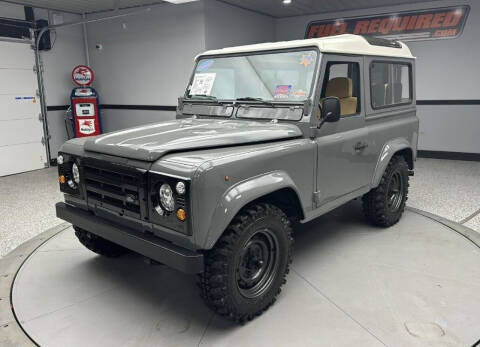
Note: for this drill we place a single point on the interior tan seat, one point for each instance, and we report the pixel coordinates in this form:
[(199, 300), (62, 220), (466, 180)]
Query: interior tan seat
[(342, 88)]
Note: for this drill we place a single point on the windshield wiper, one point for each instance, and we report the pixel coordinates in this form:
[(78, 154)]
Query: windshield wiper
[(260, 100)]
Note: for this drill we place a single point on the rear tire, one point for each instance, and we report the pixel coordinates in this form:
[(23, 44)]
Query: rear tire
[(384, 205), (98, 244), (247, 267)]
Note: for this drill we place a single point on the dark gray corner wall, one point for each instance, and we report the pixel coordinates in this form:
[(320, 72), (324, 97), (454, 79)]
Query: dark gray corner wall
[(146, 59), (227, 25), (113, 120), (446, 70)]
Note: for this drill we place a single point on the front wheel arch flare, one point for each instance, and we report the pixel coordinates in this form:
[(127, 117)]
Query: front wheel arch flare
[(244, 194)]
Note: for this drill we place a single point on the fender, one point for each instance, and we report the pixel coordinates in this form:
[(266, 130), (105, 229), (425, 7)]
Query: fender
[(389, 149), (239, 195)]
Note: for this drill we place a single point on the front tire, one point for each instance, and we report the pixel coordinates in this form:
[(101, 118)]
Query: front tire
[(247, 267), (384, 205), (98, 244)]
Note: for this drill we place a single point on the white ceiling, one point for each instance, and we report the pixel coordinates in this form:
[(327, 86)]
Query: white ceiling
[(84, 6), (274, 8)]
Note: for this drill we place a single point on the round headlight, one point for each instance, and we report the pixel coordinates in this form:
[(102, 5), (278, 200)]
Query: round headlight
[(180, 187), (166, 197), (60, 160), (75, 173)]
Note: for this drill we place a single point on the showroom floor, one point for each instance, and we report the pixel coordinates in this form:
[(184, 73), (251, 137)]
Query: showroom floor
[(349, 285), (448, 188)]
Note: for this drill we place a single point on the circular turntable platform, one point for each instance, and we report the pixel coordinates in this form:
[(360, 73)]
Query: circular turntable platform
[(414, 284)]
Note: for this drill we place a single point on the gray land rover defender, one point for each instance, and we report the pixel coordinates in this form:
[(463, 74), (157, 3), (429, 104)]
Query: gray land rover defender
[(265, 135)]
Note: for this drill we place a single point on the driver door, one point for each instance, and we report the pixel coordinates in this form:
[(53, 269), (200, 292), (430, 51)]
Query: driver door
[(343, 157)]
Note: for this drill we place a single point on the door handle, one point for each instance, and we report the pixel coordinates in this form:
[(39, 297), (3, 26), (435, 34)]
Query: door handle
[(359, 146)]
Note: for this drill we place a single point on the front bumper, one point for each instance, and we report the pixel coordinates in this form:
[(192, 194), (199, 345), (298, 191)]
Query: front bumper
[(148, 245)]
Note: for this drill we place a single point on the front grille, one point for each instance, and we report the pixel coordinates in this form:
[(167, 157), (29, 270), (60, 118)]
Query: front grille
[(114, 187)]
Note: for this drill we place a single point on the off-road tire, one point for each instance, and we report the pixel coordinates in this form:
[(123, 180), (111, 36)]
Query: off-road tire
[(98, 244), (376, 204), (220, 283)]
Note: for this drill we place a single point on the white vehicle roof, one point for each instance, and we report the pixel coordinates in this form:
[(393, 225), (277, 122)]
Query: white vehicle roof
[(346, 44)]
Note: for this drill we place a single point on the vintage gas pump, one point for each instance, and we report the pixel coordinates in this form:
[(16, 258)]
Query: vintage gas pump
[(84, 103)]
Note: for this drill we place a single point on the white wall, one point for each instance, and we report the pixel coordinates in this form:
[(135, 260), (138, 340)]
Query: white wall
[(227, 25), (446, 69)]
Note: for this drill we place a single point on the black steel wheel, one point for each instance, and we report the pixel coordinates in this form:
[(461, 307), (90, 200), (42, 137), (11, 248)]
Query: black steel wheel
[(384, 205), (395, 191), (258, 263), (247, 267)]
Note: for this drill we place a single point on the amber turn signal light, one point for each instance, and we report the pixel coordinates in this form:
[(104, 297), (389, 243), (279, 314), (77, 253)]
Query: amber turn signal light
[(181, 214), (61, 179)]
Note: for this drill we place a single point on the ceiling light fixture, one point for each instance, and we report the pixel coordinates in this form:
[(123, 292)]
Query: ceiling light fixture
[(287, 2), (179, 1)]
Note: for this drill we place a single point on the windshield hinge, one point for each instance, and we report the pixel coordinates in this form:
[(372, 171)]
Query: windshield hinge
[(307, 107)]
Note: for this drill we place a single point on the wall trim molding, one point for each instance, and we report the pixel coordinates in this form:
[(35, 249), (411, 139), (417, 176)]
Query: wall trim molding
[(173, 108), (138, 107), (58, 108), (449, 155), (448, 102), (120, 107)]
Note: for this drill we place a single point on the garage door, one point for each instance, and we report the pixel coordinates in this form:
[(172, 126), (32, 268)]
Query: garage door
[(21, 130)]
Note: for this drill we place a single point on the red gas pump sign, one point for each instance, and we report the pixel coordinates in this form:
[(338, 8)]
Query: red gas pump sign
[(84, 103)]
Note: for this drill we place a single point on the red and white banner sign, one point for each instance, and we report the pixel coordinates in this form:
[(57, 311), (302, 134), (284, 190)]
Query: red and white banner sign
[(432, 24), (82, 75)]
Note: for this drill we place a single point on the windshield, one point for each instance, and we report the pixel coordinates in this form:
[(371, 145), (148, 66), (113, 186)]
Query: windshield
[(274, 77)]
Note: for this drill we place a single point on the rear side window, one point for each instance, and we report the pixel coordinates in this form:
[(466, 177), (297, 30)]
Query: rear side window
[(390, 84)]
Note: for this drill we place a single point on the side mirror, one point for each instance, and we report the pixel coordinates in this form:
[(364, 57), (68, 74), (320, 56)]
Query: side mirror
[(330, 109)]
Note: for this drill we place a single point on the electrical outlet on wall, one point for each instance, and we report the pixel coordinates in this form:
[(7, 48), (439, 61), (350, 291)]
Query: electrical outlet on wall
[(57, 18)]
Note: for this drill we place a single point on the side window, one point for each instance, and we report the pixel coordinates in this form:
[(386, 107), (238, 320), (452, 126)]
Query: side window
[(342, 79), (390, 84)]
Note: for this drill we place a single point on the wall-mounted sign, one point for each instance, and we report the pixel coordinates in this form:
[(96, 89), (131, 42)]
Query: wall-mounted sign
[(432, 24), (82, 75)]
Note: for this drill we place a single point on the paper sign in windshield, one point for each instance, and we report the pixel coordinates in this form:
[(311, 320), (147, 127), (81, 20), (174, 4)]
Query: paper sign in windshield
[(202, 83), (282, 91)]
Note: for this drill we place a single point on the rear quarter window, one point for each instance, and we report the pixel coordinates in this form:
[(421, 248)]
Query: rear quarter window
[(390, 84)]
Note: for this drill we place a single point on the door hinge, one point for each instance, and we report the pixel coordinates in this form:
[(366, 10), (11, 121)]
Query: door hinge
[(37, 93), (35, 68), (43, 139), (316, 198), (40, 117)]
